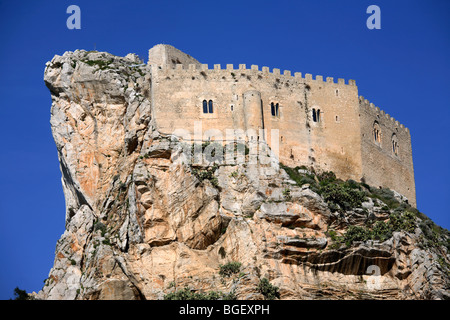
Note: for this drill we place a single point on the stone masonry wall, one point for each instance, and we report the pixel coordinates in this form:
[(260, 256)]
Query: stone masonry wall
[(381, 166), (340, 141), (331, 144)]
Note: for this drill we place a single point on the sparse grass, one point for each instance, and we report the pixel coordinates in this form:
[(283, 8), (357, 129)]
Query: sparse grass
[(101, 64), (234, 174), (287, 193), (138, 69)]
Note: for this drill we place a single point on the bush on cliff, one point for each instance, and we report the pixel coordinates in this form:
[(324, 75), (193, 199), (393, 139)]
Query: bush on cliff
[(187, 294), (269, 291), (21, 295), (342, 195), (380, 230), (229, 269)]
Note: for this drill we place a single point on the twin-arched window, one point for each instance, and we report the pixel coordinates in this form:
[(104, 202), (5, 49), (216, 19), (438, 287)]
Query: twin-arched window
[(208, 106), (274, 109), (316, 115)]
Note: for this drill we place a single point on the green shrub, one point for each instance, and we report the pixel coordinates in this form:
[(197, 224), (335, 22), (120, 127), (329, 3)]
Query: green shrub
[(234, 174), (21, 295), (326, 177), (207, 174), (405, 221), (287, 193), (434, 235), (299, 178), (332, 234), (386, 195), (342, 195), (269, 291), (352, 184), (229, 269), (187, 294), (336, 240), (379, 231), (184, 294), (337, 193), (356, 233)]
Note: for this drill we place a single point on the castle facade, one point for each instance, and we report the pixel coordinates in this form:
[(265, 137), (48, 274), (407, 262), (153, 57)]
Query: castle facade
[(321, 123)]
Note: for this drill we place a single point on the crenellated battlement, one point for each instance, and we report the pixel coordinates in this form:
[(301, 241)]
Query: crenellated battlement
[(369, 106), (217, 70)]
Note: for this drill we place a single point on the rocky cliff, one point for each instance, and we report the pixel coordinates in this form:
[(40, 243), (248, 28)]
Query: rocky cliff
[(144, 222)]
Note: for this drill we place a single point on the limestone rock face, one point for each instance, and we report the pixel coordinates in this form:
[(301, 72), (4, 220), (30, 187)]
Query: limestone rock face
[(142, 223)]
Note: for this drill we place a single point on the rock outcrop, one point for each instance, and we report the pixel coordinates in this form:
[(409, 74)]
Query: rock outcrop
[(143, 222)]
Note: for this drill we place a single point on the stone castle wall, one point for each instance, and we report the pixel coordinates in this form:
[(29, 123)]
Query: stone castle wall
[(339, 141), (382, 166)]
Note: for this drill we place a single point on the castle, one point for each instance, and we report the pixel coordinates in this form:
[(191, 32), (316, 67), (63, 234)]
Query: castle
[(321, 123)]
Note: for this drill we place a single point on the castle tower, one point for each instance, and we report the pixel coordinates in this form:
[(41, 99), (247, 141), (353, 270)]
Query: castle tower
[(253, 112), (166, 55)]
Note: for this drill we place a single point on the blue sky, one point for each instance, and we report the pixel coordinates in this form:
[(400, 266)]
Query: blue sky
[(403, 68)]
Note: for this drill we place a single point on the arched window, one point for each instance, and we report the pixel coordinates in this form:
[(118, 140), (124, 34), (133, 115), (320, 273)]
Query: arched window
[(272, 109), (205, 106), (276, 110), (394, 144), (318, 115), (314, 115), (210, 106), (376, 133)]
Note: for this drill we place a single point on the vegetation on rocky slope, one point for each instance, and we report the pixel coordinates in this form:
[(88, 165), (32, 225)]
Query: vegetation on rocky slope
[(188, 294), (347, 195)]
